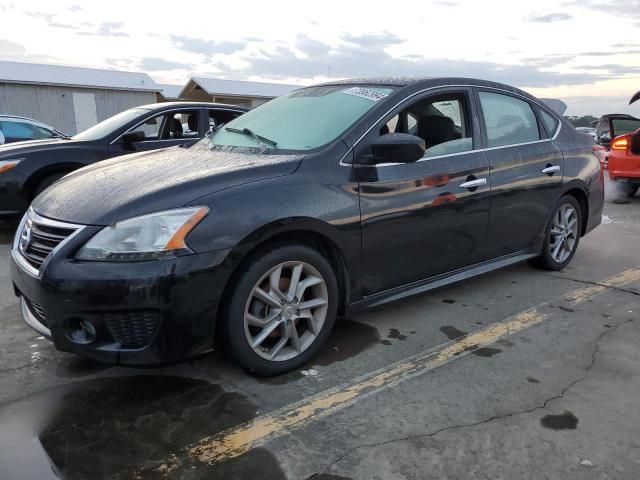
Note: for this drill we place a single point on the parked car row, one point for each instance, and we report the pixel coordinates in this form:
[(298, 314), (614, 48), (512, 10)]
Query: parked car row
[(28, 168), (14, 128), (319, 203), (624, 154)]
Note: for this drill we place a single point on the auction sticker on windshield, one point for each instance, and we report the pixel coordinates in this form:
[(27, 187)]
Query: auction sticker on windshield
[(373, 94)]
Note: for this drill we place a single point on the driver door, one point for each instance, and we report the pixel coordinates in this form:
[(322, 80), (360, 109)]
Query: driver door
[(167, 129), (427, 218)]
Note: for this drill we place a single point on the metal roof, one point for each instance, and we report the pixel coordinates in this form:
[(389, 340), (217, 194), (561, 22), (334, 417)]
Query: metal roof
[(41, 74), (241, 88), (170, 92)]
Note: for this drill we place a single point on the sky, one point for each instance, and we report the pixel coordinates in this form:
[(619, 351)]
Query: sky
[(585, 52)]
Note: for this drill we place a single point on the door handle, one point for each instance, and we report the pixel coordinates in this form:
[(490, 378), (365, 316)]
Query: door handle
[(551, 169), (474, 183)]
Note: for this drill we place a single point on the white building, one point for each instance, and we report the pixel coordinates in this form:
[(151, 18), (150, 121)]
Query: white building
[(236, 92), (71, 99)]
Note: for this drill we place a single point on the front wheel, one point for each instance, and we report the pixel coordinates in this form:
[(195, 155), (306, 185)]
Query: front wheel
[(562, 235), (628, 189), (282, 309)]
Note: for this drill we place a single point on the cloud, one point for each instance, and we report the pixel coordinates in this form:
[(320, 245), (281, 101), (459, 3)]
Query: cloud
[(154, 64), (208, 48), (106, 29), (373, 40), (548, 18), (365, 56), (12, 51), (556, 59), (446, 3)]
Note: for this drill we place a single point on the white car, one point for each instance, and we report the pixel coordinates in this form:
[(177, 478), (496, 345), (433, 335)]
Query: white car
[(588, 131), (18, 129)]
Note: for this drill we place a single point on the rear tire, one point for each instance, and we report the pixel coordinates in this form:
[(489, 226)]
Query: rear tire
[(283, 306), (562, 235)]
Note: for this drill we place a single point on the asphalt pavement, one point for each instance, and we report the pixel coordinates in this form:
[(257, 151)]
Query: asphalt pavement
[(519, 373)]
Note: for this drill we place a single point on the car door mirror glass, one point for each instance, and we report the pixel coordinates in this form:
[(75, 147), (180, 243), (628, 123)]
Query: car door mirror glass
[(132, 137), (396, 148)]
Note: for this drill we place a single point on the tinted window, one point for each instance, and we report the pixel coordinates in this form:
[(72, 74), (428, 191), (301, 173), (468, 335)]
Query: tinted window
[(111, 124), (508, 120), (622, 126), (550, 122)]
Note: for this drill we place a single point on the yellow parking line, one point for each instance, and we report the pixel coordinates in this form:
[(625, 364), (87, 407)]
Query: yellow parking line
[(239, 439)]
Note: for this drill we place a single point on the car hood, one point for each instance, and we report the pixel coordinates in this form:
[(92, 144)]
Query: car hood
[(141, 183), (28, 146)]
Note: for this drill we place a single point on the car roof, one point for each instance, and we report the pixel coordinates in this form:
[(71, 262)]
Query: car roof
[(168, 105), (431, 82)]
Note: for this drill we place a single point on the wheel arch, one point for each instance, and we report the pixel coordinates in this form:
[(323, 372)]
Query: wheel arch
[(303, 231), (577, 191), (36, 177)]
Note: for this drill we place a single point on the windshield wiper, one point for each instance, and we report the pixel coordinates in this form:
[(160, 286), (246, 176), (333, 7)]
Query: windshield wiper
[(250, 133)]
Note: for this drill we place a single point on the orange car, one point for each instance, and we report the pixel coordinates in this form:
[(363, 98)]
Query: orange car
[(624, 159)]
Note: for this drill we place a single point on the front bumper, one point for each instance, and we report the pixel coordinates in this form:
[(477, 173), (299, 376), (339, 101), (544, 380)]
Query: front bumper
[(142, 313)]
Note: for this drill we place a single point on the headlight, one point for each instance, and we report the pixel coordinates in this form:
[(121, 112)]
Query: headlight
[(149, 237), (6, 165)]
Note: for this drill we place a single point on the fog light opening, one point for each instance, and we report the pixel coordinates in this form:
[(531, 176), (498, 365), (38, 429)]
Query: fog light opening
[(80, 331)]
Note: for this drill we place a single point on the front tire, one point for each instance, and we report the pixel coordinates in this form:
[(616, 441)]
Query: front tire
[(46, 182), (562, 235), (282, 309), (627, 189)]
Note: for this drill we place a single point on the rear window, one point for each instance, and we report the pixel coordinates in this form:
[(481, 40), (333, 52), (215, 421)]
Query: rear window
[(622, 126), (509, 120), (550, 122)]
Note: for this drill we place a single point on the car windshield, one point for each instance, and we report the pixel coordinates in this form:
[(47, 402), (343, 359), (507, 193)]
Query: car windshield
[(301, 120), (622, 126), (107, 126)]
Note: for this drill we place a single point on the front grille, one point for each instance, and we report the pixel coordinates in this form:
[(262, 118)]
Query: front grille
[(38, 312), (132, 329), (39, 236)]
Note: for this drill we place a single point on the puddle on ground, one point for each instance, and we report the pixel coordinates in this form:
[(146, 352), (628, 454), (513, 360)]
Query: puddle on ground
[(347, 340), (532, 380), (566, 309), (486, 352), (395, 334), (452, 333), (564, 421), (448, 300), (112, 427), (77, 366)]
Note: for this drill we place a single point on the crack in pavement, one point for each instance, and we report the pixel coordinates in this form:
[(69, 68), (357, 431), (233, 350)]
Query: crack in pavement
[(597, 284), (543, 405)]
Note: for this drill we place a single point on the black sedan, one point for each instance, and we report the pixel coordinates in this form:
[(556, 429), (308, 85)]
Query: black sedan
[(324, 201), (27, 168)]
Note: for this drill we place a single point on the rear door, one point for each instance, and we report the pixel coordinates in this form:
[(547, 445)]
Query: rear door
[(526, 170)]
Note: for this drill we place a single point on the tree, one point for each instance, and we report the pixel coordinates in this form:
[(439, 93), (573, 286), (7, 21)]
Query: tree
[(584, 121)]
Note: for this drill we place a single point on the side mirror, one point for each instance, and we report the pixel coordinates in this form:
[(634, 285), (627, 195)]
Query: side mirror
[(132, 137), (396, 148)]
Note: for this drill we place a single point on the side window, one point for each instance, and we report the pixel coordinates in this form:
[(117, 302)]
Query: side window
[(39, 132), (508, 120), (443, 122), (550, 122), (219, 117), (182, 125), (16, 130), (151, 127)]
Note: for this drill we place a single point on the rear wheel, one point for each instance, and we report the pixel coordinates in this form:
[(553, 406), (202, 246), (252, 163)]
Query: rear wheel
[(282, 309), (562, 235)]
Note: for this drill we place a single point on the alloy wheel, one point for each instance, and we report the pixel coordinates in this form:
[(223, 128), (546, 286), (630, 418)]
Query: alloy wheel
[(564, 233), (286, 311)]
